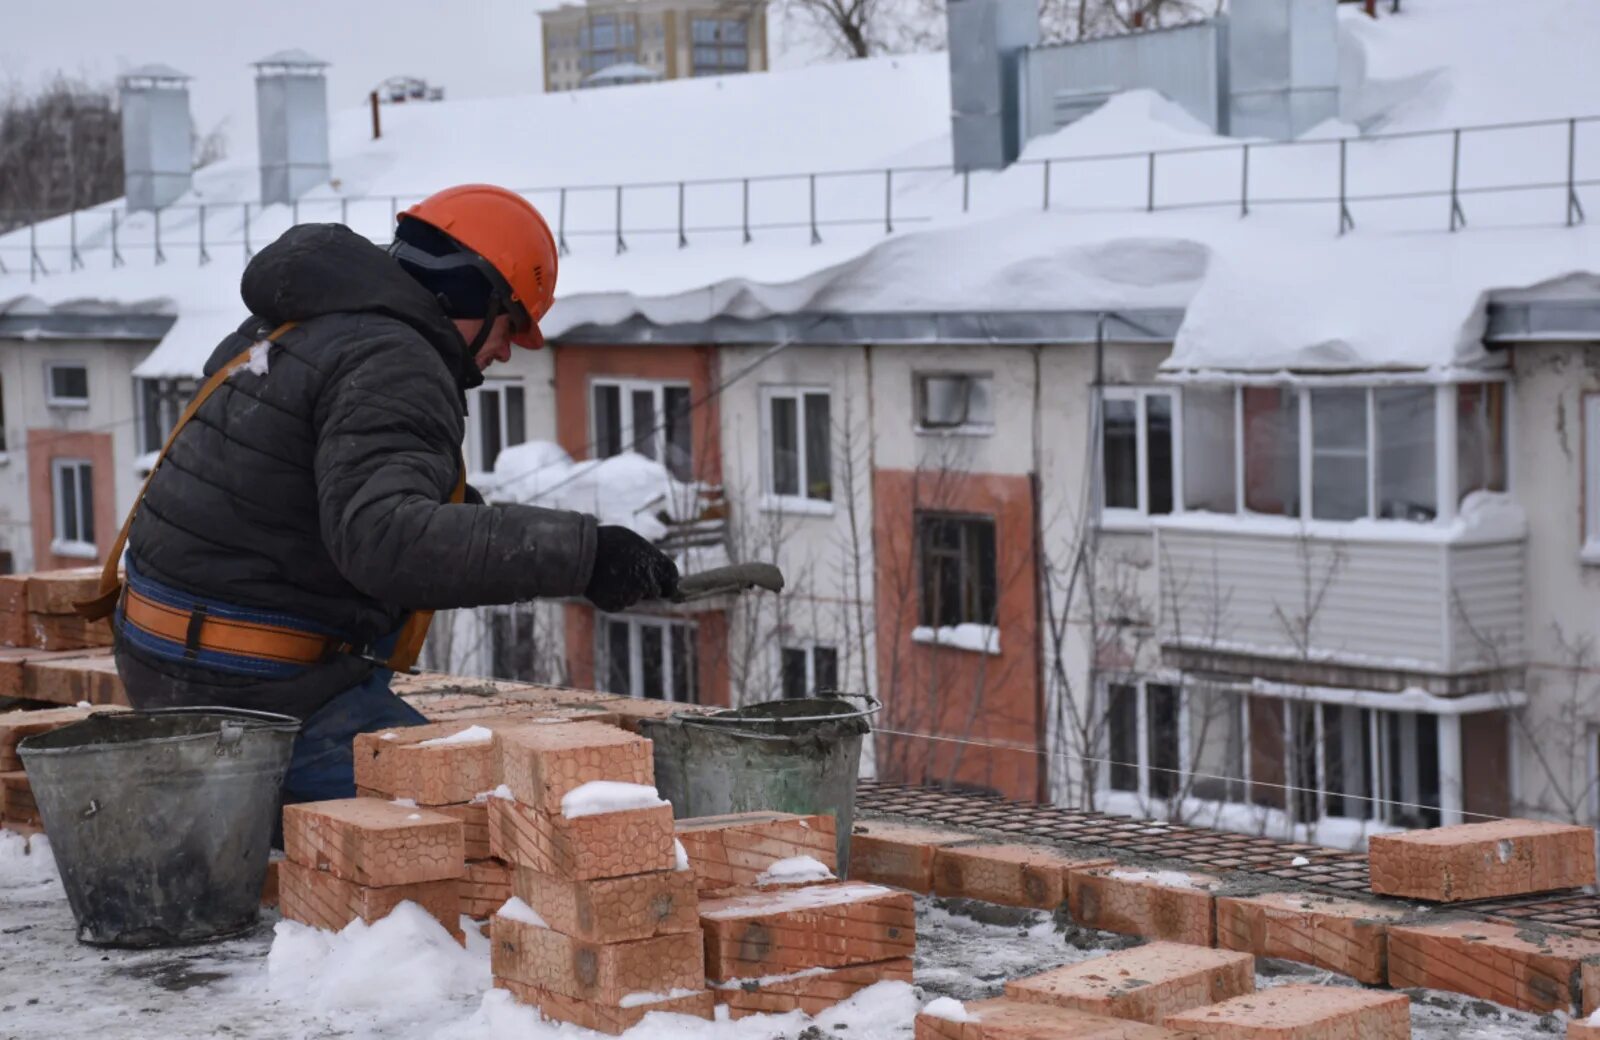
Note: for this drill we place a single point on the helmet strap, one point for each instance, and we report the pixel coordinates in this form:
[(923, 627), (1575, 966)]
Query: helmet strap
[(492, 315)]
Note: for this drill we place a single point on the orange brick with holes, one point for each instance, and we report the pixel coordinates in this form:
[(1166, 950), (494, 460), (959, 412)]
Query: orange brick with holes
[(317, 898), (1005, 1019), (1488, 860), (613, 844), (727, 852), (810, 993), (1157, 904), (1145, 984), (1349, 936), (400, 762), (608, 910), (16, 800), (603, 1018), (603, 973), (14, 725), (474, 817), (1302, 1013), (823, 926), (898, 854), (1577, 1029), (1011, 875), (485, 887), (1507, 964), (374, 843), (542, 763)]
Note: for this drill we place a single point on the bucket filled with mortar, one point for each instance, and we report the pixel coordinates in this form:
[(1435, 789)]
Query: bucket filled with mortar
[(798, 756), (161, 821)]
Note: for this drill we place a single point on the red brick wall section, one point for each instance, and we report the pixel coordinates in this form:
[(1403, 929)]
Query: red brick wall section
[(989, 698), (45, 446)]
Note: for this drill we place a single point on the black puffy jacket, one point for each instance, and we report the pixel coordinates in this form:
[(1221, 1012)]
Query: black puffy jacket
[(319, 489)]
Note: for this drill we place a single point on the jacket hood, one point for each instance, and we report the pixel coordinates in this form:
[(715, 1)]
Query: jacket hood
[(317, 269)]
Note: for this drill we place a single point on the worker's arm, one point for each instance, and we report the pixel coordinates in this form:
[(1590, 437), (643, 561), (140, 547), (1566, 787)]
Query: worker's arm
[(388, 447)]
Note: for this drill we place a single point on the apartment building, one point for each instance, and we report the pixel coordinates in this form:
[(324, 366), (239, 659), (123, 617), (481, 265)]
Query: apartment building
[(609, 42)]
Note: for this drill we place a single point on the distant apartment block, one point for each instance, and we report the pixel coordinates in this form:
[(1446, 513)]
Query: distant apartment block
[(606, 42)]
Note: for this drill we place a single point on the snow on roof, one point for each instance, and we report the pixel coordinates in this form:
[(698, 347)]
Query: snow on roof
[(293, 56), (1281, 289), (155, 70)]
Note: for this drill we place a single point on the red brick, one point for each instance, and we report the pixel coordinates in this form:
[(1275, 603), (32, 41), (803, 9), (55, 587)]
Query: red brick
[(317, 898), (485, 887), (474, 817), (1302, 1013), (14, 725), (1508, 965), (1157, 904), (898, 854), (16, 799), (1589, 984), (1011, 875), (1577, 1029), (730, 852), (373, 843), (390, 762), (58, 592), (269, 884), (600, 1017), (1004, 1019), (1487, 860), (812, 992), (73, 677), (608, 910), (542, 763), (1145, 984), (634, 841), (67, 632), (1348, 936), (825, 926), (13, 611), (603, 973), (627, 712)]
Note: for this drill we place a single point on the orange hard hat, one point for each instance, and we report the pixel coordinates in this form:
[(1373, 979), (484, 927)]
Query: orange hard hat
[(505, 230)]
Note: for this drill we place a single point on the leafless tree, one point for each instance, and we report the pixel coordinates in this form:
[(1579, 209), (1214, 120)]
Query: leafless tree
[(60, 149)]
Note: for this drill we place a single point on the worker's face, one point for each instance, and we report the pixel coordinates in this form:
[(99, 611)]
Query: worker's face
[(497, 347)]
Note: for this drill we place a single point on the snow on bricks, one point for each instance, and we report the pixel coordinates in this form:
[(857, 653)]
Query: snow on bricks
[(609, 910), (442, 763), (812, 991), (600, 973), (542, 763), (898, 854), (611, 844), (1157, 904), (317, 898), (1516, 967), (824, 926), (1348, 936), (1302, 1013), (374, 843), (1145, 984), (735, 851), (1006, 1019), (1011, 875), (603, 1019), (1489, 860)]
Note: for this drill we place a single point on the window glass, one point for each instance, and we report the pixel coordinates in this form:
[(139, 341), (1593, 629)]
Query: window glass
[(1338, 454), (1208, 457), (1122, 744), (819, 463), (1158, 452), (1271, 450), (785, 437), (1161, 715), (1121, 453), (1480, 437), (1406, 459)]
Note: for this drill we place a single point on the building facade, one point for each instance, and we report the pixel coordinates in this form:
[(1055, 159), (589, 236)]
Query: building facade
[(654, 39)]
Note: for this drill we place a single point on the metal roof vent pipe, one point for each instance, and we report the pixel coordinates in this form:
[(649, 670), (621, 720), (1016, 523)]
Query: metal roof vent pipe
[(291, 125), (987, 41), (157, 145), (1283, 66)]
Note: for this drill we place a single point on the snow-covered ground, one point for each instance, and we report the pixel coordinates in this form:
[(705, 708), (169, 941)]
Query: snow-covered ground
[(405, 978)]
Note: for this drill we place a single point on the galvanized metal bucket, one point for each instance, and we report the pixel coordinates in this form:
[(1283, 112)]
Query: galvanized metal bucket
[(799, 756), (161, 821)]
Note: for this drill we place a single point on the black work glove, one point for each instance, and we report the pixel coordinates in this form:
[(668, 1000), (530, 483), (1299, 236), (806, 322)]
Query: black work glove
[(627, 569)]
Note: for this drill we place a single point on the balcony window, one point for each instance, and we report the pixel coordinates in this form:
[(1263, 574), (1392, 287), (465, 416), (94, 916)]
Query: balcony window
[(1339, 458), (1407, 484), (1209, 467), (1271, 450), (1137, 452), (1480, 437)]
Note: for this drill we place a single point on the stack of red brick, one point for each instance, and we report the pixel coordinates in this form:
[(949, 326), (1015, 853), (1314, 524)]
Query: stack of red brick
[(604, 926), (36, 610), (18, 811)]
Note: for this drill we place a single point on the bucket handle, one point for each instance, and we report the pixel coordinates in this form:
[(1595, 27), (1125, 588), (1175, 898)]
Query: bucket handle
[(873, 707)]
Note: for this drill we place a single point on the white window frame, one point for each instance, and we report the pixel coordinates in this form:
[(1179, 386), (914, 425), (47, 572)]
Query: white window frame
[(60, 544), (1589, 551), (625, 390), (966, 429), (497, 386), (810, 648), (50, 369), (636, 623), (772, 501), (1142, 734), (1140, 516)]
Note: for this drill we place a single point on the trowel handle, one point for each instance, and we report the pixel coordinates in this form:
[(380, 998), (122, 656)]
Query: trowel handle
[(736, 578)]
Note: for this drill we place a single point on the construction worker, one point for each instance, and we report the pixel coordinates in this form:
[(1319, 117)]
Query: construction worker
[(302, 523)]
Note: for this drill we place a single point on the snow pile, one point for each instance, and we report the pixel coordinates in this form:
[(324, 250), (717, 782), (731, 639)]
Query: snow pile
[(608, 796), (626, 489), (800, 899), (633, 1000), (515, 909), (1299, 861), (502, 792), (470, 735), (796, 870), (681, 856), (1164, 878), (401, 965), (404, 803), (965, 636), (25, 860), (949, 1009)]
